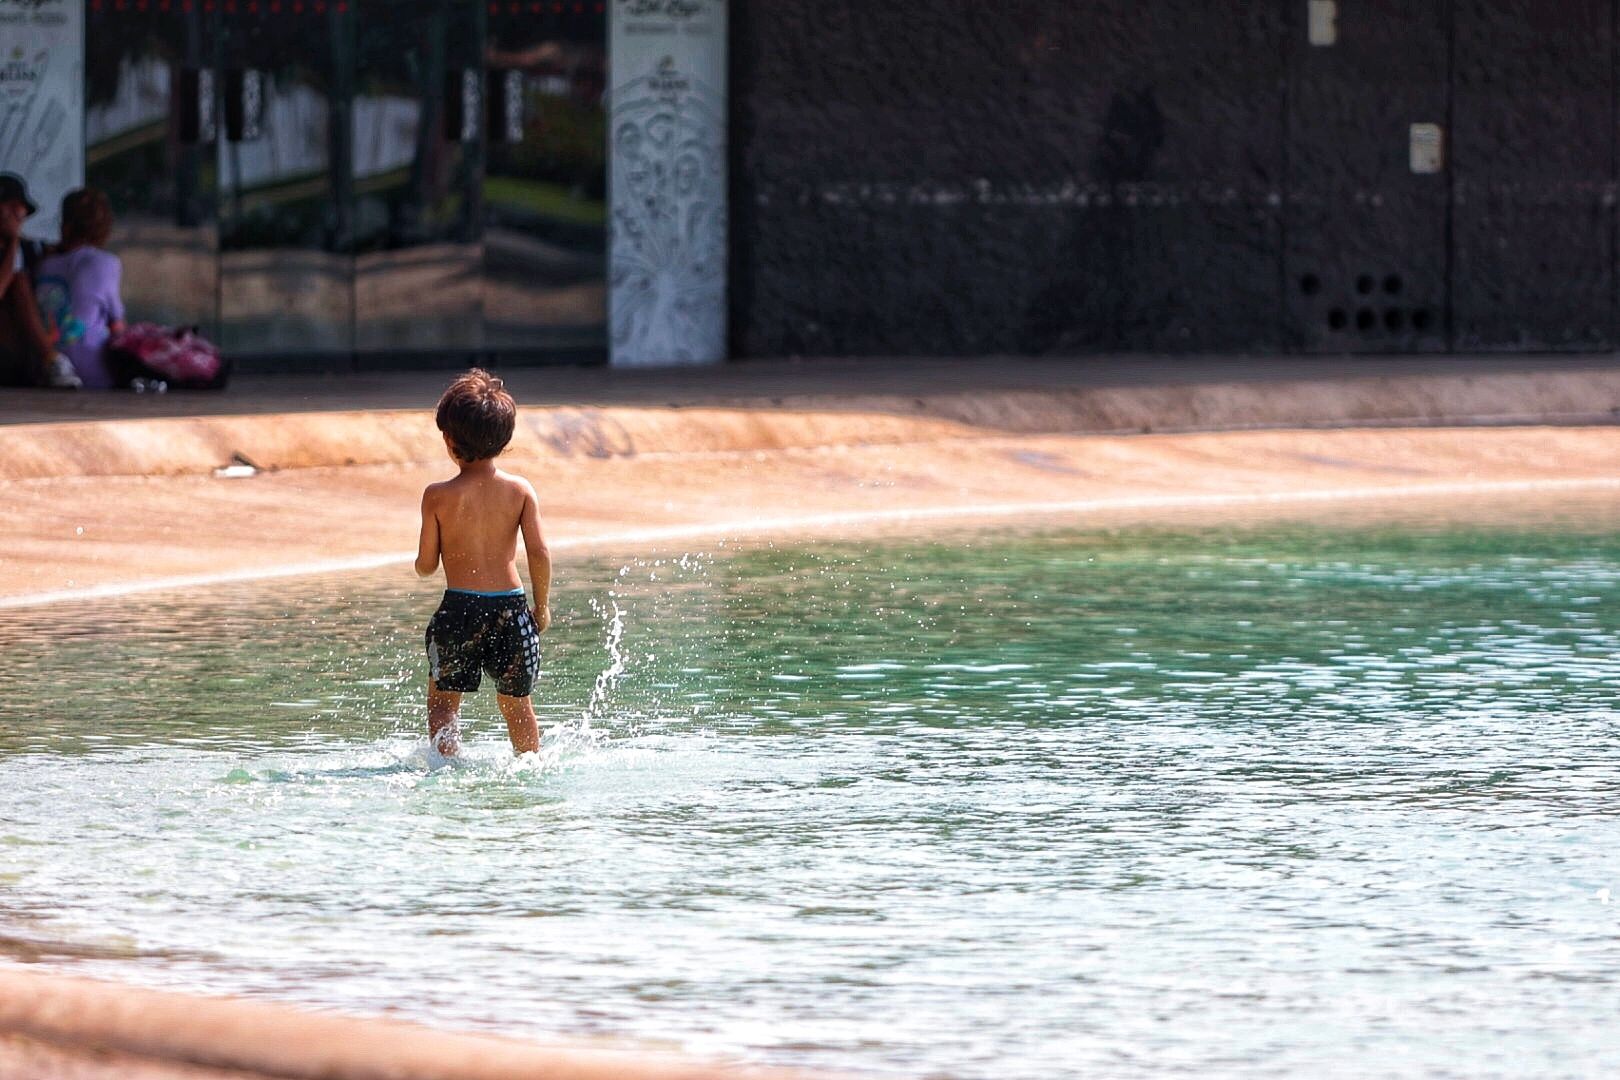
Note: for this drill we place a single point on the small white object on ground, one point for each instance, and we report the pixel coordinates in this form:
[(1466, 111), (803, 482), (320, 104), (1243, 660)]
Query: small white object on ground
[(239, 467)]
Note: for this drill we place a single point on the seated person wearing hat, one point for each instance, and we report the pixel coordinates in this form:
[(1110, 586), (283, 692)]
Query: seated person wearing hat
[(28, 354)]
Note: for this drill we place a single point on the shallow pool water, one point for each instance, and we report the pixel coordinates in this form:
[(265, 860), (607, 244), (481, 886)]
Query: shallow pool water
[(1269, 800)]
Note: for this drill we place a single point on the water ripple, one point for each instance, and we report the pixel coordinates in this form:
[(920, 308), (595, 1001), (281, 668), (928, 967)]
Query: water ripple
[(1281, 801)]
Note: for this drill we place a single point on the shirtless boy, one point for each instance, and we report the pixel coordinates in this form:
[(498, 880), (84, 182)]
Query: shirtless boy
[(472, 522)]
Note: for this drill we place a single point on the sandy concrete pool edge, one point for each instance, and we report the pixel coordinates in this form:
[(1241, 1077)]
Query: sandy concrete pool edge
[(730, 476), (52, 1025), (854, 521)]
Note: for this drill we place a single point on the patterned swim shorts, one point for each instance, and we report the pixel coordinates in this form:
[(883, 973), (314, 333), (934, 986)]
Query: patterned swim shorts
[(473, 633)]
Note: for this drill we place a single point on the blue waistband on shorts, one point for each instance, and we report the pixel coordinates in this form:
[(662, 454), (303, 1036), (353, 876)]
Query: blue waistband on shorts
[(475, 592)]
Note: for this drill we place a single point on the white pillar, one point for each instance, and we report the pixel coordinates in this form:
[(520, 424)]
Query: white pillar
[(42, 103), (667, 182)]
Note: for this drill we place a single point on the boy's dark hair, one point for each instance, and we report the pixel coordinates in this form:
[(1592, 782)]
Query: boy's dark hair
[(478, 415), (87, 218)]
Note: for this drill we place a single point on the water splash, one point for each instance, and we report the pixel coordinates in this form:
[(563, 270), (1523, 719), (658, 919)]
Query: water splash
[(608, 678), (560, 747)]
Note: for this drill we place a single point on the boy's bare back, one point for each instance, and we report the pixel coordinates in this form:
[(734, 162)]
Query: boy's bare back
[(472, 522)]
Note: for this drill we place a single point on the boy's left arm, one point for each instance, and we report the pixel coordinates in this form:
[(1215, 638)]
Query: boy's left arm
[(534, 546), (427, 547)]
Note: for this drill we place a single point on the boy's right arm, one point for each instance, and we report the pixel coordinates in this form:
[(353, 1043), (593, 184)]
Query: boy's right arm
[(427, 547)]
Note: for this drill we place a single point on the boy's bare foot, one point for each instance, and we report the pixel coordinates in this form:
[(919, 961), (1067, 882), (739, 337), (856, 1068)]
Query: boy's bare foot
[(444, 720), (447, 740)]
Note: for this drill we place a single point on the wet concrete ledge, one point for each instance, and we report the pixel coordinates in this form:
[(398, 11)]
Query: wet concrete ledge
[(777, 381), (338, 423), (56, 1027)]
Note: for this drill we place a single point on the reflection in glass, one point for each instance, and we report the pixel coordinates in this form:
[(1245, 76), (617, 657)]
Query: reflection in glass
[(415, 155), (140, 150), (545, 192), (286, 268), (311, 183)]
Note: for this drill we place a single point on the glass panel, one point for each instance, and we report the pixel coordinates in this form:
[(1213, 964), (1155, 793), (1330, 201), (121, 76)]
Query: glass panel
[(416, 123), (145, 148), (545, 219), (287, 269)]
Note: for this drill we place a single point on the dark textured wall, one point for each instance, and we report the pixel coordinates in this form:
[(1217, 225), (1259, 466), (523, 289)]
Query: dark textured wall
[(1366, 237), (946, 177), (1533, 174)]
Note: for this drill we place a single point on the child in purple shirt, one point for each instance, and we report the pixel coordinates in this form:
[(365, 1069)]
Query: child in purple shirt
[(77, 287)]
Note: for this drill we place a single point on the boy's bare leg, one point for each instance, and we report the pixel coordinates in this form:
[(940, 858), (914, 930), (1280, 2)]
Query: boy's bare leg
[(444, 720), (521, 726)]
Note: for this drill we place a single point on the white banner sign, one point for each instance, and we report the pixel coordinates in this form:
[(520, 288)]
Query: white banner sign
[(42, 103), (667, 164)]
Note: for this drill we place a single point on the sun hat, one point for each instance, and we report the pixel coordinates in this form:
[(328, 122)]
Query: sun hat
[(13, 187)]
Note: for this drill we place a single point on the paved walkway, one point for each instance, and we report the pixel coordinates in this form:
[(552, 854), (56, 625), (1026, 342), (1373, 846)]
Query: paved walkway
[(773, 382)]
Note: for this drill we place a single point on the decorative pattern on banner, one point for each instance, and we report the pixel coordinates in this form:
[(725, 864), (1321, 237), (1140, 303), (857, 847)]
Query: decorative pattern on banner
[(667, 227), (42, 103)]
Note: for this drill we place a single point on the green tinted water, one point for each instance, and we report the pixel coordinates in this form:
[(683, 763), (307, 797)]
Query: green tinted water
[(1291, 799)]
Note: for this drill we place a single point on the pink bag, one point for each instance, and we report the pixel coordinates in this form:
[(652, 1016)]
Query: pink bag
[(178, 355)]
